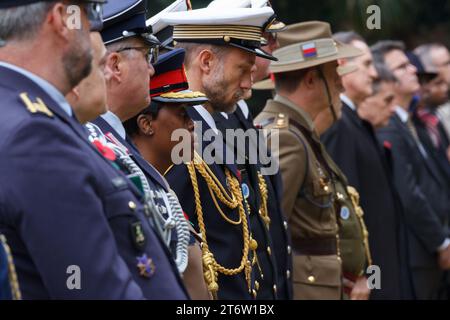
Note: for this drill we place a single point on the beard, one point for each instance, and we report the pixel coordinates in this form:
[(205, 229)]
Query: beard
[(216, 89), (77, 61)]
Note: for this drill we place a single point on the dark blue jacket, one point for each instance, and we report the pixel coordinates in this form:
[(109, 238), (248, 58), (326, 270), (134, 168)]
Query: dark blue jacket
[(62, 204)]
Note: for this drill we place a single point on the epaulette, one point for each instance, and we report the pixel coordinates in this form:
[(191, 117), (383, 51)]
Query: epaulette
[(281, 121), (35, 107)]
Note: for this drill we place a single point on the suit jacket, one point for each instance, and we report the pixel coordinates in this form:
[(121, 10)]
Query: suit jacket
[(439, 155), (277, 237), (64, 207), (5, 284), (352, 144), (423, 195)]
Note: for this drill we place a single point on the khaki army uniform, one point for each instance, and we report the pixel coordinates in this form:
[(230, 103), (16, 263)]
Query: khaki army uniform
[(308, 201), (353, 235)]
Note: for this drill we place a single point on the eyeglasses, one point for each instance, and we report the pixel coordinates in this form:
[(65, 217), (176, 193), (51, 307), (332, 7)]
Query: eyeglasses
[(151, 53)]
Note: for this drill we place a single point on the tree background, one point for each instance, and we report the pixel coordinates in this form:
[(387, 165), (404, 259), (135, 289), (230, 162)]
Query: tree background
[(412, 21)]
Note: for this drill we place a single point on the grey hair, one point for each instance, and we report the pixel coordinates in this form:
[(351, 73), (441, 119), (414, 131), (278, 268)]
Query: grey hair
[(424, 53), (23, 22)]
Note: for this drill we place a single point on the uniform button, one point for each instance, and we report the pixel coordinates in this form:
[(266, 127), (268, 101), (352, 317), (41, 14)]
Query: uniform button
[(285, 225), (256, 285), (311, 279), (269, 251), (275, 288), (326, 188), (132, 205), (288, 274), (289, 249), (254, 293)]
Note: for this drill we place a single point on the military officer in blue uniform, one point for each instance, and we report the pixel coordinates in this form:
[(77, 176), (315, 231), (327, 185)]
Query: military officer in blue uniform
[(276, 234), (74, 223), (234, 259)]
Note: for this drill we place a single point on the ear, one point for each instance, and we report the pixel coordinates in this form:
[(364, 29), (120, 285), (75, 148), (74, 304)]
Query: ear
[(310, 79), (114, 66), (206, 60), (76, 92), (58, 18), (145, 124), (342, 62)]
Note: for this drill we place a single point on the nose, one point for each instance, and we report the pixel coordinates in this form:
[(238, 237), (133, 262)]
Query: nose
[(412, 68), (373, 72), (151, 70)]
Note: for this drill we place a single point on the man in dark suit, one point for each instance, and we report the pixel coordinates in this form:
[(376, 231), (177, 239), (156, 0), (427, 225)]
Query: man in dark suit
[(66, 210), (420, 186), (353, 146)]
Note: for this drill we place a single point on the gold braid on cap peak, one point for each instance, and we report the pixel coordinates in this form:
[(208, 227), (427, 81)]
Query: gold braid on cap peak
[(211, 267), (183, 95)]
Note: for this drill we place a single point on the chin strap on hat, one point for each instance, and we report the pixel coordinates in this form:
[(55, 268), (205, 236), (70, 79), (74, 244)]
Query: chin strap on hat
[(327, 89)]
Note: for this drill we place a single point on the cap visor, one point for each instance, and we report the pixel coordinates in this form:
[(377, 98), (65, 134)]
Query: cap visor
[(257, 51)]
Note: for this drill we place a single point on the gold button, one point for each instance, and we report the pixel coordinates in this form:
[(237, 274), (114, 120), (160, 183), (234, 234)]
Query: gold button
[(253, 244), (269, 251), (285, 225), (254, 293), (326, 188), (288, 274), (132, 205), (226, 39), (275, 288), (311, 279), (256, 285), (339, 259), (289, 249)]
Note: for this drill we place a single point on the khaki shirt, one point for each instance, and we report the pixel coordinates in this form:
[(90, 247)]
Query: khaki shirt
[(308, 197)]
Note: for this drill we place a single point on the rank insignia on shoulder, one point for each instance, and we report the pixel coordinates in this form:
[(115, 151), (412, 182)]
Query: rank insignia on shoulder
[(146, 266), (35, 107), (281, 121), (137, 232)]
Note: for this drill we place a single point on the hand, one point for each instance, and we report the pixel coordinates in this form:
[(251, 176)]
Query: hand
[(444, 258), (360, 289)]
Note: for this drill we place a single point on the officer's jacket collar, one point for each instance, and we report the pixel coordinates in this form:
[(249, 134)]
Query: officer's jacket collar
[(295, 112), (143, 164), (19, 80), (115, 123), (207, 117), (195, 115)]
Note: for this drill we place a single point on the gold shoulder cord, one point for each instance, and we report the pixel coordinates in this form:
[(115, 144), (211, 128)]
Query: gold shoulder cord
[(354, 195), (211, 267), (264, 196), (14, 282)]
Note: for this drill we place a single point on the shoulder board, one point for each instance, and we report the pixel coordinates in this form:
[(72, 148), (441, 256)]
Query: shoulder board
[(35, 107), (280, 121)]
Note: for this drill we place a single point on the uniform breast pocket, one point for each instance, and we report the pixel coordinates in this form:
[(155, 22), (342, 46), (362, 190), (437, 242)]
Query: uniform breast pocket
[(323, 200)]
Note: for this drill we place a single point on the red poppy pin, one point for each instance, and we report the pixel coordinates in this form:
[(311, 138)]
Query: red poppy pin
[(106, 151)]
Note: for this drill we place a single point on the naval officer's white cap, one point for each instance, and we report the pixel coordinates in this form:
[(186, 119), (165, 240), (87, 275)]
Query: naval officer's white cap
[(237, 27), (275, 26), (162, 30)]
